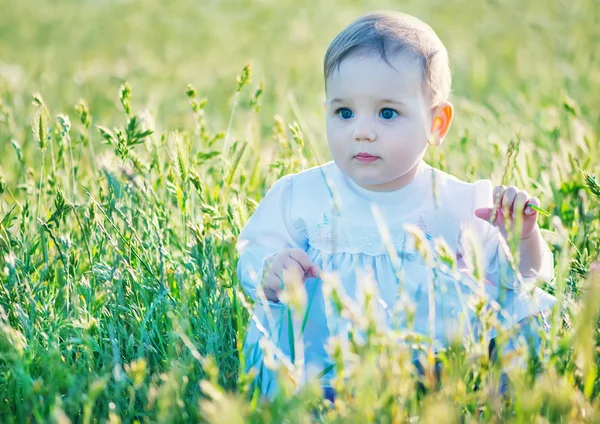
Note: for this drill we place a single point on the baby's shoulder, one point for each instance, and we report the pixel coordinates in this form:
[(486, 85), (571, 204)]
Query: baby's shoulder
[(310, 183), (457, 192), (316, 173)]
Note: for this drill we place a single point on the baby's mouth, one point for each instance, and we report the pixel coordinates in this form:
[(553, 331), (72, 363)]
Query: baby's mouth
[(366, 158)]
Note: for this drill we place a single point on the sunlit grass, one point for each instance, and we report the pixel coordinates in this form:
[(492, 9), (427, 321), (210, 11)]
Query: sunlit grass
[(127, 174)]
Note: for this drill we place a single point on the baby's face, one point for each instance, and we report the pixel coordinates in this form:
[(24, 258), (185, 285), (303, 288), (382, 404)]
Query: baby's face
[(377, 120)]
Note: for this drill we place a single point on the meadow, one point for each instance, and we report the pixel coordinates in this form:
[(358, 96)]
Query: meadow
[(137, 137)]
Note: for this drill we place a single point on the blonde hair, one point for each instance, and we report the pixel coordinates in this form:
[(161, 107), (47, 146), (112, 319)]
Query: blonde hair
[(390, 33)]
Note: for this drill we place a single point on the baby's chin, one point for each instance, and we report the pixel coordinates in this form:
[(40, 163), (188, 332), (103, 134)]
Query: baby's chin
[(373, 173), (367, 180), (376, 179)]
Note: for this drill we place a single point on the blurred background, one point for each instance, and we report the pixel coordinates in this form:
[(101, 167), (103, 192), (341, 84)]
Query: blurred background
[(119, 259), (515, 64)]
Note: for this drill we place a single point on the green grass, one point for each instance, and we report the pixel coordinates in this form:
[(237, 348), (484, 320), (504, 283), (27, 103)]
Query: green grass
[(135, 144)]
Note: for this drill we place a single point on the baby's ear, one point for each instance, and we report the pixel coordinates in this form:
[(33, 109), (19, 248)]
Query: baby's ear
[(442, 119)]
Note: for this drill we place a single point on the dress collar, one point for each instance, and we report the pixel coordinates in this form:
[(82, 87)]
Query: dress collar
[(416, 184)]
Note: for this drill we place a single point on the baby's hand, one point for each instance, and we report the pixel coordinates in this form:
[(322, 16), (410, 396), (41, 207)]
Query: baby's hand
[(287, 265), (509, 202)]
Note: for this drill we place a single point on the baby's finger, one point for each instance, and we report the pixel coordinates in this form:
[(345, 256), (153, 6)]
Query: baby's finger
[(271, 294), (498, 192), (292, 271), (303, 261), (508, 198), (315, 271), (520, 201), (535, 202), (274, 280)]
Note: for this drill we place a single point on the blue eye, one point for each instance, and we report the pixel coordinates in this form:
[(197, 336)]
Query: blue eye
[(344, 113), (387, 113)]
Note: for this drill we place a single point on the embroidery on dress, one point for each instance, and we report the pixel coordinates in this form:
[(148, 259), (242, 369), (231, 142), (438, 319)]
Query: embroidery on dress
[(423, 226), (324, 231), (363, 239), (330, 238)]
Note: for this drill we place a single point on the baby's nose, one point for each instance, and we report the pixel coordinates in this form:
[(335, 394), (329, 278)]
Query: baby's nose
[(364, 130)]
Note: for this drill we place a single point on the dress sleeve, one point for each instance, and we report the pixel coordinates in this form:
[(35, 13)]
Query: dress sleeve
[(268, 231), (498, 270)]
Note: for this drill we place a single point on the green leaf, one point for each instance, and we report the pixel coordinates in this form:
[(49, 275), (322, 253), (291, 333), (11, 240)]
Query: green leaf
[(291, 336), (539, 210), (203, 157), (592, 184), (106, 133)]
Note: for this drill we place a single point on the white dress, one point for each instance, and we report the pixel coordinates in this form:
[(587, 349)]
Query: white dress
[(339, 225)]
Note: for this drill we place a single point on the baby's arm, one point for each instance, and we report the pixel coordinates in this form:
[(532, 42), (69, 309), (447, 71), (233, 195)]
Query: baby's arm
[(535, 258), (287, 266), (269, 241)]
